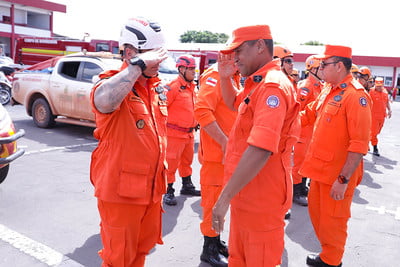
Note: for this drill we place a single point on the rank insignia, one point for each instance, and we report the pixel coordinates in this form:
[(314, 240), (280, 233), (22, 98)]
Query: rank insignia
[(257, 78), (159, 89), (140, 124), (337, 98), (343, 85), (162, 97)]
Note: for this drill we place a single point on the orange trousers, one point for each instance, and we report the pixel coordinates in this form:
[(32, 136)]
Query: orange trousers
[(211, 177), (329, 218), (376, 127), (128, 232), (180, 152), (299, 154), (256, 240)]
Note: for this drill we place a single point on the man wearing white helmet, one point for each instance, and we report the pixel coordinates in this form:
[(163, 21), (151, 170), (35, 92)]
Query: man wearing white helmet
[(128, 166)]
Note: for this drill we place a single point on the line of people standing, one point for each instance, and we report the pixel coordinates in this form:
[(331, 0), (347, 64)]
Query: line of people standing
[(247, 136)]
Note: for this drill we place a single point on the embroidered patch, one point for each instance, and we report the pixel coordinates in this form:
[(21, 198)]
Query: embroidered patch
[(211, 81), (140, 124), (273, 101), (337, 98), (363, 101)]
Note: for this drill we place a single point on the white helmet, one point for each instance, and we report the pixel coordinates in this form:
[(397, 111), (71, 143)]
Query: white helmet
[(142, 34)]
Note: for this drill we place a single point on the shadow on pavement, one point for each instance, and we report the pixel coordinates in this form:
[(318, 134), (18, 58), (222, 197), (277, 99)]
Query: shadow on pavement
[(87, 253)]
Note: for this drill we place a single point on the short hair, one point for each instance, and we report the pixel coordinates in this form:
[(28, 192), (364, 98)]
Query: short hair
[(347, 62), (268, 42)]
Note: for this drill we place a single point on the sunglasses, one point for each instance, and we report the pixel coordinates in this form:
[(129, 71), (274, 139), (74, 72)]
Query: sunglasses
[(288, 60), (324, 64)]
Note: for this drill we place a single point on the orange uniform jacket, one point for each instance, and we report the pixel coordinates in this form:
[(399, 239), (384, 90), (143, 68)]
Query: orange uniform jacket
[(128, 165), (379, 102), (211, 107), (268, 119), (342, 122), (180, 98)]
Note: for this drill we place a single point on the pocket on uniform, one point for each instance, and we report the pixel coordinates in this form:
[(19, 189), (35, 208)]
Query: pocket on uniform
[(113, 239), (266, 247), (324, 155), (133, 181)]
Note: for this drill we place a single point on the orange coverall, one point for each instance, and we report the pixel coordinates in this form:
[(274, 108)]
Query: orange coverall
[(128, 171), (379, 104), (308, 90), (342, 121), (210, 107), (180, 126), (268, 119)]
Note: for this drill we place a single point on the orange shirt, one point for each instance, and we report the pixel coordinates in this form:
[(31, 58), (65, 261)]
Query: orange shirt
[(308, 90), (210, 107), (379, 102), (268, 119), (180, 99), (128, 165), (342, 117)]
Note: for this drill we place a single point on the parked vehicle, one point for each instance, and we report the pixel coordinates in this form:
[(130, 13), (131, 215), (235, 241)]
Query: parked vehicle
[(58, 90), (33, 50), (8, 143)]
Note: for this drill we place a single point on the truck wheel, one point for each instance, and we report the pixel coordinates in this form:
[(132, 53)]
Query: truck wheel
[(3, 173), (5, 95), (41, 114)]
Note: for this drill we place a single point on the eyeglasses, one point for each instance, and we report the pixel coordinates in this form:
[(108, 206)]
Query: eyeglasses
[(363, 76), (288, 61), (324, 64)]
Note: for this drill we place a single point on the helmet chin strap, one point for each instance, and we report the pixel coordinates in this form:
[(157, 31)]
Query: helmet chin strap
[(184, 76), (315, 74)]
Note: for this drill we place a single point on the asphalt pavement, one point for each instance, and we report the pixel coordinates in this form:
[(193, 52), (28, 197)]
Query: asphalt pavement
[(47, 200)]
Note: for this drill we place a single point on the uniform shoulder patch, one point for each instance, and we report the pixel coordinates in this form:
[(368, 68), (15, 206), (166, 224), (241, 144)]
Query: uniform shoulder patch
[(273, 101), (363, 101), (211, 81)]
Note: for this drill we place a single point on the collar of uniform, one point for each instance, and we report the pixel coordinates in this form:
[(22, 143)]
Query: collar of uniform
[(184, 83), (272, 65), (346, 82)]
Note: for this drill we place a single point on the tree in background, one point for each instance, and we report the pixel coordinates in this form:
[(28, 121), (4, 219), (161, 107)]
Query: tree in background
[(312, 43), (203, 37)]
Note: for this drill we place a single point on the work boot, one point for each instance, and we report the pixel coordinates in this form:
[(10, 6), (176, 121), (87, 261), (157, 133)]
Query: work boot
[(288, 214), (211, 253), (298, 196), (305, 188), (222, 247), (376, 151), (315, 260), (169, 197), (188, 187)]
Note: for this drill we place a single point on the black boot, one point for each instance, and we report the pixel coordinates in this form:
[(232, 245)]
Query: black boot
[(376, 151), (288, 214), (211, 253), (298, 196), (188, 187), (222, 247), (305, 188), (169, 197)]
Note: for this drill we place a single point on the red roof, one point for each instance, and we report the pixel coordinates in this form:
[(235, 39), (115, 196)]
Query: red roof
[(41, 4)]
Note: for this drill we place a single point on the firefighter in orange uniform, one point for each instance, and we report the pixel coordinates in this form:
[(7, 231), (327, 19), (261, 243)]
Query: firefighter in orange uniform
[(287, 66), (216, 121), (258, 153), (180, 127), (308, 90), (128, 166), (380, 103), (364, 74), (355, 71), (342, 119)]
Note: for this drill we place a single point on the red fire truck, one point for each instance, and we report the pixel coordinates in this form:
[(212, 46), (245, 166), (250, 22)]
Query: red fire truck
[(32, 50)]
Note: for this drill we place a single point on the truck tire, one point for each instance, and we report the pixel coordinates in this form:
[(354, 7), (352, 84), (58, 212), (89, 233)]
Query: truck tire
[(41, 114), (5, 94), (3, 173)]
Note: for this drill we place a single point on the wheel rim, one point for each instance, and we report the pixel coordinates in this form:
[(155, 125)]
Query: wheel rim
[(40, 114), (4, 96)]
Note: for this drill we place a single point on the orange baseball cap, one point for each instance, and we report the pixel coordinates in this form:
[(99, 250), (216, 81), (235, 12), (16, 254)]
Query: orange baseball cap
[(248, 33), (335, 51), (379, 81)]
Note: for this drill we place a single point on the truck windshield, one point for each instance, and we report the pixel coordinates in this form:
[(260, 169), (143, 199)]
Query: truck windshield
[(168, 66)]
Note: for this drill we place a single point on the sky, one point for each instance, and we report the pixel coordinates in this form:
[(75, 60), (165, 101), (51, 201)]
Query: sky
[(370, 27)]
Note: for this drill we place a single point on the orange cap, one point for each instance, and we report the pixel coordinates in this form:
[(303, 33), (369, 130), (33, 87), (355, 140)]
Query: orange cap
[(248, 33), (379, 81), (335, 51)]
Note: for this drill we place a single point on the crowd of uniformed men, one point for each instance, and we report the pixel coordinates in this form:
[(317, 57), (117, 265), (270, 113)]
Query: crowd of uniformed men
[(267, 139)]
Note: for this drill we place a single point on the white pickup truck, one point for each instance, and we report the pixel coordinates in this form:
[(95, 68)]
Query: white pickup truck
[(59, 90)]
